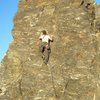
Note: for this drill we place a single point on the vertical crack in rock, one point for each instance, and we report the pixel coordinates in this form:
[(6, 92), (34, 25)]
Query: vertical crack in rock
[(20, 87), (52, 79)]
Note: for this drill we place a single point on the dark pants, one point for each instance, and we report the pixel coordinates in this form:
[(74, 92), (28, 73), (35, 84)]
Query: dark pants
[(45, 51)]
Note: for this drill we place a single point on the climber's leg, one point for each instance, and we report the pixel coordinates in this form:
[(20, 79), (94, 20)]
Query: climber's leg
[(41, 49), (47, 55)]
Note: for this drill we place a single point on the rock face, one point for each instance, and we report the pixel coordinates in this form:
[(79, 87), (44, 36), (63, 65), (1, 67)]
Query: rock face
[(73, 71)]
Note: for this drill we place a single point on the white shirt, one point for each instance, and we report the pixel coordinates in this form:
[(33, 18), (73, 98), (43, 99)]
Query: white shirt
[(45, 38)]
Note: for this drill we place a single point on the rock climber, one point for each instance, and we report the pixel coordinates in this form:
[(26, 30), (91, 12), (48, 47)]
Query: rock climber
[(45, 46)]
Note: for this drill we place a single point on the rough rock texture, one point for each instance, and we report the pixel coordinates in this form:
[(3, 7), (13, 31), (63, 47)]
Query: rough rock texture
[(73, 71), (97, 23)]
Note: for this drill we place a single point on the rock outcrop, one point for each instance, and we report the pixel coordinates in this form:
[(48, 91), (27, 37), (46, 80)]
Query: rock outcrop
[(73, 71)]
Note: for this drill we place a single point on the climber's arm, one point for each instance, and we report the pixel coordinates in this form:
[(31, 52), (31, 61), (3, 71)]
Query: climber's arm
[(51, 38)]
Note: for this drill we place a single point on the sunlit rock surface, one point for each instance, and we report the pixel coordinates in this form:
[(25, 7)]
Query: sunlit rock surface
[(73, 71)]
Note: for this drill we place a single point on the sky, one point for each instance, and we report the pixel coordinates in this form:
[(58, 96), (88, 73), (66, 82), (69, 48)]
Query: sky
[(8, 9), (97, 1)]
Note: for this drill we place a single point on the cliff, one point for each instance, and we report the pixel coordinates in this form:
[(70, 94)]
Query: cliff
[(73, 71)]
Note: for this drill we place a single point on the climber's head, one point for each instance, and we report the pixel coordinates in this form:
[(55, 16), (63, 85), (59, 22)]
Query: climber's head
[(44, 32)]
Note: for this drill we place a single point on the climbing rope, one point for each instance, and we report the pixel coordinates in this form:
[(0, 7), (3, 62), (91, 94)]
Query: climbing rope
[(52, 79)]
